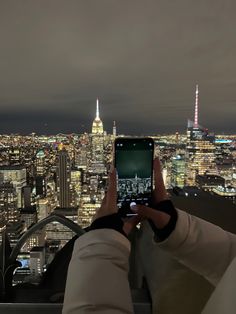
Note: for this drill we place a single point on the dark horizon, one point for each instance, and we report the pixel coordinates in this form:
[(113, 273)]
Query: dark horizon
[(25, 123)]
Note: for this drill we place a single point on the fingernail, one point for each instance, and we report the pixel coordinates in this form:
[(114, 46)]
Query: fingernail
[(134, 208)]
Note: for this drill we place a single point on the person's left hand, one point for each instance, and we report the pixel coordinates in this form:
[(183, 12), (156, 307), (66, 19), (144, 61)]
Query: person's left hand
[(109, 205)]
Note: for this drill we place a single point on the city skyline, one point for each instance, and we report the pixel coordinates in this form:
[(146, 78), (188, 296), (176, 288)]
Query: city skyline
[(59, 182), (194, 121), (141, 60)]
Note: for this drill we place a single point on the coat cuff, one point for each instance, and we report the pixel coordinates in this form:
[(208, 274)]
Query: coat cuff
[(165, 206), (179, 234), (112, 221)]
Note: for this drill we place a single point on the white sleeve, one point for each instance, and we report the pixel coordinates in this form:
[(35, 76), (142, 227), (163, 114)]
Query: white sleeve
[(97, 279), (201, 246)]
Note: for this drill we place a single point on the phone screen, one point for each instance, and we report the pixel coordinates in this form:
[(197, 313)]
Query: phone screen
[(134, 166)]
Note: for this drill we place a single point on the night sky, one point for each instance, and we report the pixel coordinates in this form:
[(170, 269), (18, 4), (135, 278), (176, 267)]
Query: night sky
[(142, 59), (134, 162)]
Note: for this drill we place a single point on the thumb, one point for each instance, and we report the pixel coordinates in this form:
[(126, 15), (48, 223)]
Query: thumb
[(131, 223), (160, 219)]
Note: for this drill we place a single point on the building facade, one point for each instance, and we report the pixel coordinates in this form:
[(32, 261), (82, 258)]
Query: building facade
[(63, 179)]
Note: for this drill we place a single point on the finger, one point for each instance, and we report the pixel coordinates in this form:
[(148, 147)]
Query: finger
[(131, 223), (160, 190), (104, 200), (144, 211), (111, 191), (100, 211), (160, 219), (95, 216)]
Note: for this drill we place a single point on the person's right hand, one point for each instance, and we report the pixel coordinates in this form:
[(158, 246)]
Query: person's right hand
[(159, 218)]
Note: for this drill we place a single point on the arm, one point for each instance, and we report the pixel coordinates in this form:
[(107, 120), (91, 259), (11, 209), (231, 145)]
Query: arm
[(97, 279), (97, 275), (202, 246)]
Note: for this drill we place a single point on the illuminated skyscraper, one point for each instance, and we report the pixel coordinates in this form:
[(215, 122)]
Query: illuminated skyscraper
[(40, 179), (178, 171), (83, 152), (97, 139), (87, 208), (10, 214), (40, 163), (37, 260), (76, 186), (8, 202), (97, 127), (17, 176), (200, 150), (14, 154)]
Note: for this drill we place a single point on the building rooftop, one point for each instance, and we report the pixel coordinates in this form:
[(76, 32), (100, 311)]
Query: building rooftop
[(208, 206), (66, 211), (37, 249), (28, 210), (13, 167)]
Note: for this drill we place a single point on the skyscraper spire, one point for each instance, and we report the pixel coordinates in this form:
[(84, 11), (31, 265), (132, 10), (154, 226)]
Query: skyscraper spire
[(97, 127), (97, 110), (114, 128), (196, 108)]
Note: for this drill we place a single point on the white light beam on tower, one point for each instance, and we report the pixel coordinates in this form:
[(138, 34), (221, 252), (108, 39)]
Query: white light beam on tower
[(97, 110), (196, 108)]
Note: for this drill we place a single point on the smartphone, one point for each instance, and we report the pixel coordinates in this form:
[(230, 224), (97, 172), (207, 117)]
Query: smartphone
[(134, 166)]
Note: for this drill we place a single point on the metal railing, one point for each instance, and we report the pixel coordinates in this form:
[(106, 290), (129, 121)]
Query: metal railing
[(140, 296)]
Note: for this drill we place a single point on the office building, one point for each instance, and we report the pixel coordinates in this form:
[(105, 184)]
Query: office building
[(14, 155), (37, 261), (63, 179), (8, 202), (40, 177), (40, 163), (17, 176), (10, 213), (97, 143), (200, 149), (29, 216), (76, 186), (90, 202), (45, 206), (178, 171), (83, 152)]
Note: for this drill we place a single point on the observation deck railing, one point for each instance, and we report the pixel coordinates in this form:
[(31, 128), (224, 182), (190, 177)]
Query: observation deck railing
[(140, 295)]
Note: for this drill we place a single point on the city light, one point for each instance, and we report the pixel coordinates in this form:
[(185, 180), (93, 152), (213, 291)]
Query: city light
[(67, 175)]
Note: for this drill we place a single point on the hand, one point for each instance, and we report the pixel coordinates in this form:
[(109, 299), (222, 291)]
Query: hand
[(160, 219), (109, 202), (109, 205)]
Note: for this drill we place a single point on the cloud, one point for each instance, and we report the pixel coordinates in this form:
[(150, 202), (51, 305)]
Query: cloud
[(141, 59)]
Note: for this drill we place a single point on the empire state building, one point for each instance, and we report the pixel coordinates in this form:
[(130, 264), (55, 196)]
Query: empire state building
[(97, 139), (97, 127)]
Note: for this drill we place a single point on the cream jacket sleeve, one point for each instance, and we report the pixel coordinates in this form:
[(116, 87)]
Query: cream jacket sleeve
[(201, 246), (97, 279)]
